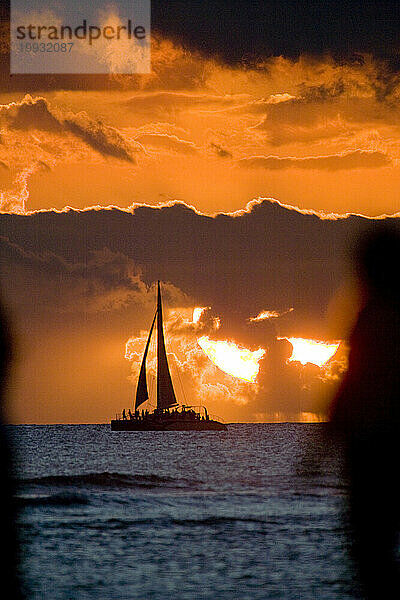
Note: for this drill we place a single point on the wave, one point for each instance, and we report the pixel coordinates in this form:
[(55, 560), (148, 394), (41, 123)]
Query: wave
[(110, 480), (217, 522), (213, 521), (63, 499)]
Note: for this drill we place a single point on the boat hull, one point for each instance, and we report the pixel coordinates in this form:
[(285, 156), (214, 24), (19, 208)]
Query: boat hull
[(166, 425)]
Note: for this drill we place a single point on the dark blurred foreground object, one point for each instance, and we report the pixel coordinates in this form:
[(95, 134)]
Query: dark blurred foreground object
[(8, 537), (366, 414)]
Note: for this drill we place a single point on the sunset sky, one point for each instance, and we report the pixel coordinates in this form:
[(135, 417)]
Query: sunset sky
[(239, 172)]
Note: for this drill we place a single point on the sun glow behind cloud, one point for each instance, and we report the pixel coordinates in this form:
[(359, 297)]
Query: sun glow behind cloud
[(197, 312), (269, 314), (227, 356), (311, 351)]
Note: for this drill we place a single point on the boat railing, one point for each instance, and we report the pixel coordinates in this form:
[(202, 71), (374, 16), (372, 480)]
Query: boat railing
[(202, 410), (180, 412)]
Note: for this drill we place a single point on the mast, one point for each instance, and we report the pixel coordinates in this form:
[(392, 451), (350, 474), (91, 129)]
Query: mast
[(165, 390)]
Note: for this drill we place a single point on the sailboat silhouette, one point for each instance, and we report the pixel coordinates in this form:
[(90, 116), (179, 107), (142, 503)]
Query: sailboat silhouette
[(180, 418)]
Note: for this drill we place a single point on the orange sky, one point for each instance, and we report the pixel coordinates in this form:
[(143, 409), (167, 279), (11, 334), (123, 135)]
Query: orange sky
[(310, 133)]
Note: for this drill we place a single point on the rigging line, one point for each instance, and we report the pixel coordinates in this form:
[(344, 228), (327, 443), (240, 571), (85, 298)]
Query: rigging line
[(177, 370)]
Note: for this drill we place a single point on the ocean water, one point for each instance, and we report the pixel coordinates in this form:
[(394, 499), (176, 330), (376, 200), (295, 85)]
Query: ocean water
[(251, 513)]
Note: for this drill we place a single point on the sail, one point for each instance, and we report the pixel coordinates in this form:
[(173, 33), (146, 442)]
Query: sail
[(141, 392), (165, 390)]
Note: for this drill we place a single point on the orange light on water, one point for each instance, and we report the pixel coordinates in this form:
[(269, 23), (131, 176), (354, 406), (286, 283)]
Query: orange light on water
[(227, 356), (312, 351)]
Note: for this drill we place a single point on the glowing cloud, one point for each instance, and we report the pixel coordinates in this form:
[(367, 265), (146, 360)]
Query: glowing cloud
[(311, 351), (227, 356), (197, 312), (269, 314)]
